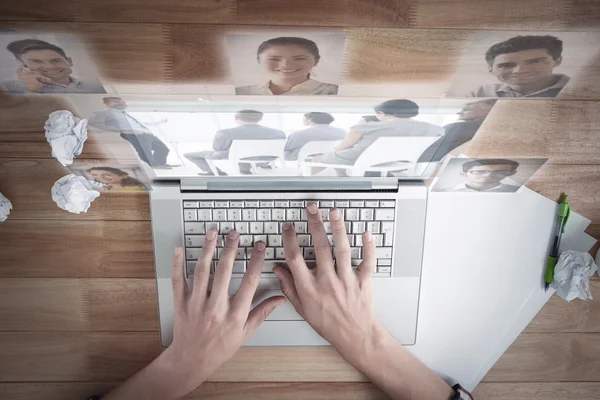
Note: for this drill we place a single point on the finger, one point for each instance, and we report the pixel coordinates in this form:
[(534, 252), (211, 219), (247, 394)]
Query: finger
[(260, 313), (341, 245), (247, 289), (202, 271), (367, 266), (225, 265), (320, 242), (293, 255), (288, 287), (178, 278)]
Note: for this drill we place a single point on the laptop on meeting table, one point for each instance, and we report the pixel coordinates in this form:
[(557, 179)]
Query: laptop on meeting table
[(184, 208)]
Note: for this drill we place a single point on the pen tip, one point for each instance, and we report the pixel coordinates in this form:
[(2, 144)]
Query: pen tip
[(546, 288)]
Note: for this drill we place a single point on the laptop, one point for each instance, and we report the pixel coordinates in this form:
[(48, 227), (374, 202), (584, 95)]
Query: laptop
[(186, 202)]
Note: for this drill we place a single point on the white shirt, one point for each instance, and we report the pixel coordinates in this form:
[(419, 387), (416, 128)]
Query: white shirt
[(501, 188), (308, 87)]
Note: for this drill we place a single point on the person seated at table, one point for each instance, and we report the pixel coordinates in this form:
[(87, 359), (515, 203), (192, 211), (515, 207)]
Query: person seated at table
[(248, 129), (395, 120), (115, 179), (319, 130), (471, 117), (524, 66), (210, 326)]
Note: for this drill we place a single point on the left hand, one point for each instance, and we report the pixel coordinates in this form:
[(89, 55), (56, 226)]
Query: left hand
[(210, 326)]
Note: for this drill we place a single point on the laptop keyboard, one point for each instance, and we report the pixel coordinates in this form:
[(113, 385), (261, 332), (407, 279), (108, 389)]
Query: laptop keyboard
[(260, 220)]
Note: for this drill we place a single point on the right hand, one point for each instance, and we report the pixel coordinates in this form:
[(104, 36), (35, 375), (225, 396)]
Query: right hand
[(33, 80), (335, 300)]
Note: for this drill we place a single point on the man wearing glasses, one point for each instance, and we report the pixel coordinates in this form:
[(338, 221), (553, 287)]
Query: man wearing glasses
[(487, 175)]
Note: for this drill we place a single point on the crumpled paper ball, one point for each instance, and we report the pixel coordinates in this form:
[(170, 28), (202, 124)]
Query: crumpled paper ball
[(572, 275), (66, 135), (5, 207), (73, 194)]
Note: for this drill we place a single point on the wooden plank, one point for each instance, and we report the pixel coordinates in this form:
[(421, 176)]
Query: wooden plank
[(563, 131), (114, 356), (20, 113), (208, 390), (559, 315), (27, 184), (39, 10), (43, 150), (78, 305), (549, 357), (538, 391), (76, 249), (583, 14)]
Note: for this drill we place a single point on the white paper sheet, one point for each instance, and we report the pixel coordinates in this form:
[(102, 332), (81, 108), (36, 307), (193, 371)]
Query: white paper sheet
[(5, 207), (73, 194)]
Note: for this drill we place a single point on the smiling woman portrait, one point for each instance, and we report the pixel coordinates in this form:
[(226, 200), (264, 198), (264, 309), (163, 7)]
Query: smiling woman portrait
[(288, 62)]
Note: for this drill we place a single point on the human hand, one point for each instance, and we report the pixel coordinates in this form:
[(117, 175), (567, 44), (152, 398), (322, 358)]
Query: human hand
[(33, 80), (210, 325), (335, 300)]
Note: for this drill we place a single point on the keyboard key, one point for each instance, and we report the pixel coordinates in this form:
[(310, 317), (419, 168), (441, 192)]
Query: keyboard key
[(236, 204), (297, 203), (388, 239), (358, 240), (330, 238), (358, 227), (264, 215), (304, 240), (242, 228), (351, 240), (372, 203), (384, 261), (220, 214), (222, 204), (267, 204), (256, 227), (194, 240), (324, 214), (212, 226), (308, 202), (251, 204), (190, 204), (207, 204), (269, 253), (240, 254), (267, 266), (190, 267), (387, 203), (383, 252), (293, 214), (239, 267), (378, 240), (279, 255), (309, 253), (384, 269), (204, 215), (278, 214), (192, 254), (226, 227), (282, 203), (260, 238), (355, 263), (366, 214), (357, 203), (301, 227), (190, 215), (303, 215), (384, 214), (249, 215), (271, 227), (347, 227), (342, 203), (234, 214), (246, 241), (352, 214), (326, 203), (194, 227), (355, 252), (387, 227), (374, 227), (275, 241), (327, 227)]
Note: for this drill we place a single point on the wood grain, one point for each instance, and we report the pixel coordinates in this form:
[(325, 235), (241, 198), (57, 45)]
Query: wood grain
[(86, 249), (538, 391), (39, 10), (27, 183), (21, 113), (113, 356)]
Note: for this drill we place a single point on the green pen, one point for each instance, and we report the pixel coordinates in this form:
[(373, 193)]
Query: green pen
[(564, 210)]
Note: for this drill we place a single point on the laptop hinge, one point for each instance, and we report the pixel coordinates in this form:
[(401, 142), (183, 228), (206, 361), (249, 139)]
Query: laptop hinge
[(287, 184)]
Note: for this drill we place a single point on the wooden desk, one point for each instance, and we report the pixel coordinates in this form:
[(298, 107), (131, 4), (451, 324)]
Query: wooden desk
[(78, 307)]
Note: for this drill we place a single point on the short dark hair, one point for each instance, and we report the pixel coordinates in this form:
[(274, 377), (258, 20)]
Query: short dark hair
[(370, 118), (20, 47), (551, 44), (322, 118), (287, 40), (398, 108), (249, 115), (107, 99), (489, 161)]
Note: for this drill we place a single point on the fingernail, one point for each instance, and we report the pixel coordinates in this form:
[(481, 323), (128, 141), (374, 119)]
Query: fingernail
[(287, 226), (368, 236), (233, 234), (312, 208), (334, 214), (211, 234), (178, 250), (259, 246)]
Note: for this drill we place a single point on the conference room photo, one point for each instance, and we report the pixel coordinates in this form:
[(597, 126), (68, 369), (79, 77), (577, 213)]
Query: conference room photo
[(524, 64), (45, 63)]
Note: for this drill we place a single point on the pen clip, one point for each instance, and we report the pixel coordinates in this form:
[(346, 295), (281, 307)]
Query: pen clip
[(564, 211)]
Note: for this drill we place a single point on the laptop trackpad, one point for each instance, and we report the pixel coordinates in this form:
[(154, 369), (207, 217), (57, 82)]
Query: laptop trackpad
[(284, 312)]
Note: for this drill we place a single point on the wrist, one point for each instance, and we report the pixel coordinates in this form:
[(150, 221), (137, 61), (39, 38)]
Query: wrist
[(180, 377)]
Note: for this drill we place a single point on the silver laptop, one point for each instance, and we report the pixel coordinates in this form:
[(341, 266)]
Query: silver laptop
[(186, 202)]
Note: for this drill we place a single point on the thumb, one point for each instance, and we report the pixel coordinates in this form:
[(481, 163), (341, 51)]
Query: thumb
[(288, 287), (260, 313)]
